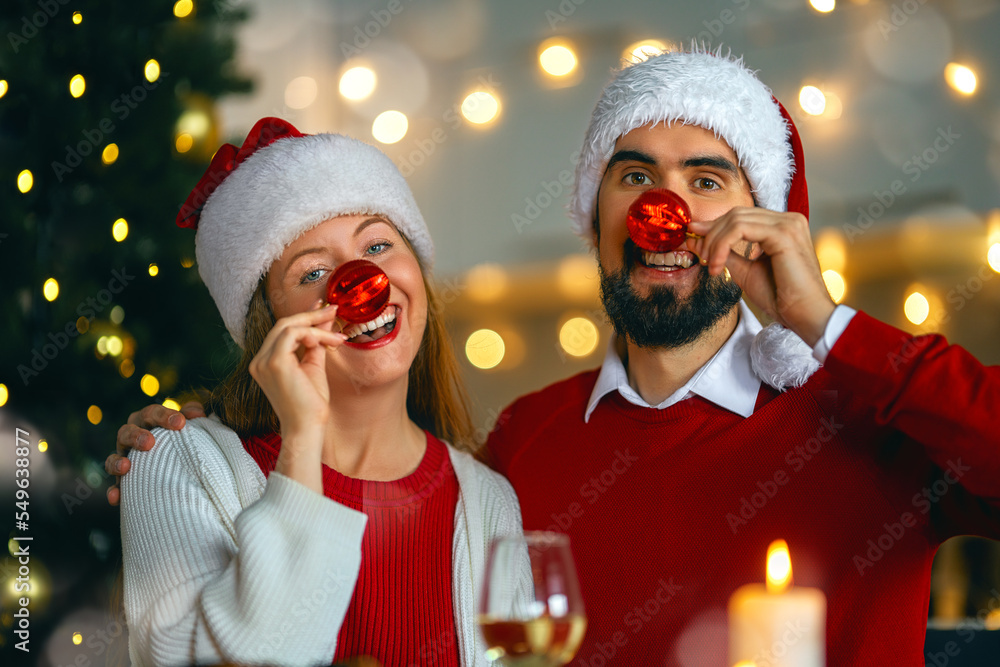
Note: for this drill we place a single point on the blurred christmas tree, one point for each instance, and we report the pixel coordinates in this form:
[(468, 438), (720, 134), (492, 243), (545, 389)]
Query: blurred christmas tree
[(106, 122)]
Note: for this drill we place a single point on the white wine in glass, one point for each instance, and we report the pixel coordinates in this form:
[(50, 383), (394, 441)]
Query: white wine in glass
[(531, 613)]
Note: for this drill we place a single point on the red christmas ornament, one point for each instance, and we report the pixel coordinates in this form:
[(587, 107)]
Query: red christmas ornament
[(360, 289), (658, 220)]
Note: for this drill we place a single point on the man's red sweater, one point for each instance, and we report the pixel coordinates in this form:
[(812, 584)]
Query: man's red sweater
[(884, 453)]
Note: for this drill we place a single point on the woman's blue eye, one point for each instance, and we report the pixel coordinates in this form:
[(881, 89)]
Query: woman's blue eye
[(312, 276), (377, 248)]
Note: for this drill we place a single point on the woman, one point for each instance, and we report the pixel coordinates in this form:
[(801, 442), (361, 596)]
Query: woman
[(315, 515)]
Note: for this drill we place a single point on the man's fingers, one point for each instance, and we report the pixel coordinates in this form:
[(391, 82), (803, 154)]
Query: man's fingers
[(133, 437), (114, 495), (157, 415)]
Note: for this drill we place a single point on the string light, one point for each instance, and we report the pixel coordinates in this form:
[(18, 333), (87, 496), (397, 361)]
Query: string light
[(172, 404), (151, 70), (154, 270), (823, 6), (94, 415), (119, 230), (77, 85), (115, 345), (184, 142), (77, 638), (50, 289), (109, 154), (183, 8), (43, 446), (390, 126), (187, 262), (25, 180), (117, 315), (126, 368), (3, 87), (4, 395), (357, 83), (301, 92), (77, 18), (149, 385)]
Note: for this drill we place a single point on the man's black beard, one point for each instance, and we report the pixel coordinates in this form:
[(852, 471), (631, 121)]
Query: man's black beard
[(660, 319)]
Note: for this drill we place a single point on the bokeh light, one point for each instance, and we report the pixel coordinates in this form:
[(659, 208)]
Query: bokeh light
[(486, 283), (301, 92), (823, 6), (77, 18), (151, 70), (357, 83), (110, 154), (183, 8), (149, 385), (390, 126), (835, 285), (4, 395), (578, 337), (812, 100), (993, 257), (645, 49), (25, 180), (961, 78), (557, 60), (50, 289), (480, 107), (154, 270), (119, 230), (484, 348), (94, 415), (916, 308), (77, 85)]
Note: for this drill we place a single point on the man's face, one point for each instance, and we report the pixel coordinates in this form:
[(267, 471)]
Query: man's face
[(665, 300)]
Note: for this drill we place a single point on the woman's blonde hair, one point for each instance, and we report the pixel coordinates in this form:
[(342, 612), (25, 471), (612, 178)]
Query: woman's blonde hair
[(436, 399)]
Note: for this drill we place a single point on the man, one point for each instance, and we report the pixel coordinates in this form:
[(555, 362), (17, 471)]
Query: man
[(673, 466)]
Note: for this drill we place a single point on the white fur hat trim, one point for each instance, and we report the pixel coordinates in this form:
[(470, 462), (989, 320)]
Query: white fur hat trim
[(696, 87), (780, 358)]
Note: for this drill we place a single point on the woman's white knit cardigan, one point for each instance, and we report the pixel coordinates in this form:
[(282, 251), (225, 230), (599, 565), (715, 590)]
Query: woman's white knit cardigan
[(223, 565)]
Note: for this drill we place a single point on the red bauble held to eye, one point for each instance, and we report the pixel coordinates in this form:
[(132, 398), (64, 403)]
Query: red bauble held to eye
[(360, 290), (658, 220)]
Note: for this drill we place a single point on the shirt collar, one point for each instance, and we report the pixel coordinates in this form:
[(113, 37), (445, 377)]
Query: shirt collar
[(727, 379)]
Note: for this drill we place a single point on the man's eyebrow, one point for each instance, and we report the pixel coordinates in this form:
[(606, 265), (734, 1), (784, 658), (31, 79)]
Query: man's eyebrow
[(630, 156), (717, 161)]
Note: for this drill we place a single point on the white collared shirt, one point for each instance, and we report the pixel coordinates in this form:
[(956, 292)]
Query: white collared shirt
[(727, 379)]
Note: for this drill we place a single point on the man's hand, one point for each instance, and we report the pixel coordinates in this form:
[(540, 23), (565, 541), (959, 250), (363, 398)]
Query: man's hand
[(782, 275), (135, 435)]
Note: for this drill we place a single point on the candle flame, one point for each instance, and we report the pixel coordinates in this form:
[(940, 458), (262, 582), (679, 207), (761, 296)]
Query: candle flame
[(779, 567)]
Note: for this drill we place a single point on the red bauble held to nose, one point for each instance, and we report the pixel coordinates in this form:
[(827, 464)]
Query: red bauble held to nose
[(360, 290), (658, 220)]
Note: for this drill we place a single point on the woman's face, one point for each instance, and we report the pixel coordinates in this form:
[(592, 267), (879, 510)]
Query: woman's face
[(298, 279)]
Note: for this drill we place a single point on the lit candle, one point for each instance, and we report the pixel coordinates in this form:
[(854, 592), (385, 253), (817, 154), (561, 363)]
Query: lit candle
[(778, 625)]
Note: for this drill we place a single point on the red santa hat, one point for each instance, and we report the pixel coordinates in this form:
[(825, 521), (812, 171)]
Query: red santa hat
[(252, 202), (718, 92), (703, 88)]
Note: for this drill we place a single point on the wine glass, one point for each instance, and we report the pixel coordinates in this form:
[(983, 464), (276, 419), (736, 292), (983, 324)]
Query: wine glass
[(531, 614)]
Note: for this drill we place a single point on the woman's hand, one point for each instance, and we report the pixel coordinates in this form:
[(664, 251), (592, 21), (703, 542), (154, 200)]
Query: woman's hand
[(290, 368)]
